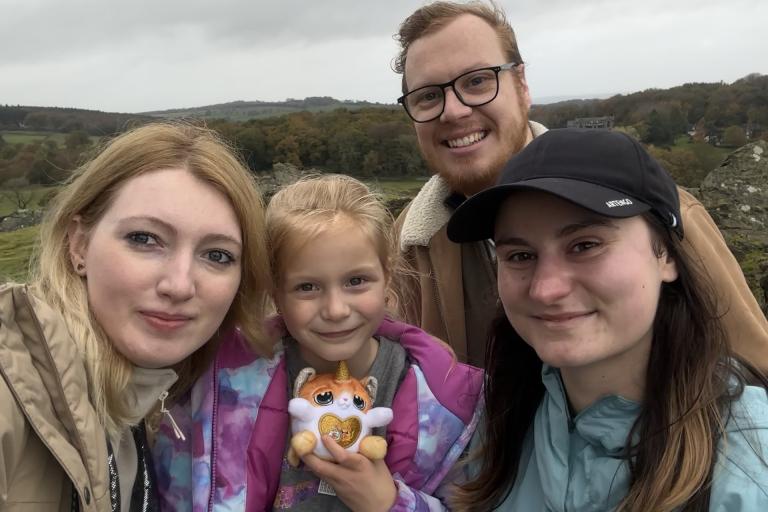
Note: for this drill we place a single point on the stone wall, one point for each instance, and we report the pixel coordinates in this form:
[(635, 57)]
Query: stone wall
[(736, 195)]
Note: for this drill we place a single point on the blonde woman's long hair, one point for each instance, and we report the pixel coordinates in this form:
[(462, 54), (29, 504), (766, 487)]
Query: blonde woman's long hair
[(89, 193)]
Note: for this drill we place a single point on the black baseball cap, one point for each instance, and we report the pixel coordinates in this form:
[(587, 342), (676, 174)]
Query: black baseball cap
[(606, 172)]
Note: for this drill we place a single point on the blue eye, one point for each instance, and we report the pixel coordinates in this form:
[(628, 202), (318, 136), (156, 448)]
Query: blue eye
[(324, 398), (305, 287), (357, 281), (141, 238), (220, 256)]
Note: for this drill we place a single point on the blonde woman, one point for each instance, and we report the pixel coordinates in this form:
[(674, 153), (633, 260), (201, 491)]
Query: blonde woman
[(150, 252)]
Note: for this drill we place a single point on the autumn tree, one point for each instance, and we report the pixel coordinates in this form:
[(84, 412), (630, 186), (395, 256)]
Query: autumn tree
[(734, 136)]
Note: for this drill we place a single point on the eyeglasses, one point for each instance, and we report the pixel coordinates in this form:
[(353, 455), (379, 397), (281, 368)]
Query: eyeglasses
[(473, 88)]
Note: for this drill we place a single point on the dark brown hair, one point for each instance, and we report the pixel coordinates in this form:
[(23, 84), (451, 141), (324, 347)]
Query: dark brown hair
[(691, 380)]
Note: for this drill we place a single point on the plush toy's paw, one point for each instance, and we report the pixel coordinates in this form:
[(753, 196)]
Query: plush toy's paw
[(373, 447), (293, 459), (303, 442)]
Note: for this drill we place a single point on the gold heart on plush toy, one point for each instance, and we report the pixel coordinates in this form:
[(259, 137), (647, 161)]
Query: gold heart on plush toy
[(345, 432)]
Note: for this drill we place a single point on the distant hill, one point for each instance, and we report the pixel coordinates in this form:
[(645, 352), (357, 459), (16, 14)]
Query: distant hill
[(245, 110), (705, 107), (58, 119)]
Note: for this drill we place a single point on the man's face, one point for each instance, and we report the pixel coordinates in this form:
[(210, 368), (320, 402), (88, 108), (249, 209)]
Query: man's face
[(468, 146)]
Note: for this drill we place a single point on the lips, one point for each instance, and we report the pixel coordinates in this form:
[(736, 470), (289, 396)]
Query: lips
[(163, 321), (563, 318), (336, 334)]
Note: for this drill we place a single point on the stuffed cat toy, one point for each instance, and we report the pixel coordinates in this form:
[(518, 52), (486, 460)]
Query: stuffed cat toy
[(339, 406)]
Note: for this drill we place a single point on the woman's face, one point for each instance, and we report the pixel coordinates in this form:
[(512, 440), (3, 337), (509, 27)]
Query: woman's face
[(162, 265), (580, 288)]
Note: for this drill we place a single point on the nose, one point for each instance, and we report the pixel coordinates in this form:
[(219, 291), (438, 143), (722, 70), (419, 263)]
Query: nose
[(454, 108), (177, 279), (344, 401), (551, 280), (335, 306)]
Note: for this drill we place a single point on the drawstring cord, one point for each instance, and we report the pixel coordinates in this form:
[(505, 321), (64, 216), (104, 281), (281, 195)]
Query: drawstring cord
[(163, 410)]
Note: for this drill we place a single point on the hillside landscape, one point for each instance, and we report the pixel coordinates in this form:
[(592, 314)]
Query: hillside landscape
[(691, 129)]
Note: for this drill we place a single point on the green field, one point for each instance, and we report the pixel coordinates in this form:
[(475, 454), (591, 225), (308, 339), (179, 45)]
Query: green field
[(8, 204), (710, 157), (397, 187), (27, 137), (23, 137), (15, 251)]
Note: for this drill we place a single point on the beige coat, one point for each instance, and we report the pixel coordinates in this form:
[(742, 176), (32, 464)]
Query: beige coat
[(51, 442), (431, 296)]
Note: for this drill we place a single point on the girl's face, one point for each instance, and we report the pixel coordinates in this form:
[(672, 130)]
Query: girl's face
[(580, 288), (331, 291), (162, 266)]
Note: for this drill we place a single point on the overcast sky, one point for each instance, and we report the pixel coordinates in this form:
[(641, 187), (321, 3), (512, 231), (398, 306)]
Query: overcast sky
[(140, 55)]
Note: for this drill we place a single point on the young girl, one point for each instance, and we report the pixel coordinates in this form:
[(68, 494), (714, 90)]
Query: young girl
[(332, 264), (610, 384)]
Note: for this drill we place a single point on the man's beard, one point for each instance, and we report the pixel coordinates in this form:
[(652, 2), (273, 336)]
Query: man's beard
[(469, 180)]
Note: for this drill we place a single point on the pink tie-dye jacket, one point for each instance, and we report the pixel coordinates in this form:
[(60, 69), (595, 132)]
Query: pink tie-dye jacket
[(235, 420)]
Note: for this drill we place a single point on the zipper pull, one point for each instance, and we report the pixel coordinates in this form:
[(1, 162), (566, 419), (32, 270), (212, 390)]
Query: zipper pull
[(176, 430)]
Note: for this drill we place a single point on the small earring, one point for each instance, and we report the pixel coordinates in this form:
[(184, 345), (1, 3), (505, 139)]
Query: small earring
[(80, 267)]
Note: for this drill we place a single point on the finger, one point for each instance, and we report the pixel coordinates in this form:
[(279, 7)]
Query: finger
[(321, 468), (343, 458)]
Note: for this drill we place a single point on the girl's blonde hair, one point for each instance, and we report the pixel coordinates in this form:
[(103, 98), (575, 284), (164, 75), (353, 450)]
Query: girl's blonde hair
[(90, 192), (300, 211)]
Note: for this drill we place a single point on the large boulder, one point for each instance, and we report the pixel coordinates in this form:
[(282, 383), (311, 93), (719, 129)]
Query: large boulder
[(736, 195)]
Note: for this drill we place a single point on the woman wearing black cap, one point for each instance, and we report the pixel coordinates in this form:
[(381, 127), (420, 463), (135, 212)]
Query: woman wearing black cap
[(610, 383)]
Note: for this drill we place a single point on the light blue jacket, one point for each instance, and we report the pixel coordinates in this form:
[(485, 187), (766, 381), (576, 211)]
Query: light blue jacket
[(574, 464)]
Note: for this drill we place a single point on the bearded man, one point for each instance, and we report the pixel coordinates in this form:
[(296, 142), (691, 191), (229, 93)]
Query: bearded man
[(464, 87)]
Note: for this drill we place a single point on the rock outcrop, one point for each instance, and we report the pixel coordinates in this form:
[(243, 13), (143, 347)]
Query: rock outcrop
[(736, 195)]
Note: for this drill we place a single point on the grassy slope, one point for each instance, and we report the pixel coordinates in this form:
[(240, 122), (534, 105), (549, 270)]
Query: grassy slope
[(15, 250), (7, 205), (709, 156), (25, 137)]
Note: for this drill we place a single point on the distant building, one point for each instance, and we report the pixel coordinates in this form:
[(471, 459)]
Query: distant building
[(603, 123)]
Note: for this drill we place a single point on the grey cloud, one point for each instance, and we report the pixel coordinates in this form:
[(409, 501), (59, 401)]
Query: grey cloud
[(46, 30)]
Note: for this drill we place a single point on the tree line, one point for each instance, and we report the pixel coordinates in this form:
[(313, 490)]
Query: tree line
[(658, 116), (380, 141)]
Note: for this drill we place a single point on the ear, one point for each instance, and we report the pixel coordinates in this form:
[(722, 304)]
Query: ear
[(77, 237), (305, 375), (523, 87), (371, 385), (667, 267)]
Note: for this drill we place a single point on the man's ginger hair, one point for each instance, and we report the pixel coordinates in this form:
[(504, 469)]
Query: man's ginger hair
[(432, 17)]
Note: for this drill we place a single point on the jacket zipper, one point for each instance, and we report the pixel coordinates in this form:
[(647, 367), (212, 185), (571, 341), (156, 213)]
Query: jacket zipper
[(214, 415), (163, 410)]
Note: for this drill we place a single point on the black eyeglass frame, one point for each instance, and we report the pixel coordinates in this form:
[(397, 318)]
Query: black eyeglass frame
[(451, 84)]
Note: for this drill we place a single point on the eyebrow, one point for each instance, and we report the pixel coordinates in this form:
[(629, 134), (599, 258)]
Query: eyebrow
[(362, 269), (566, 230), (475, 67), (212, 237)]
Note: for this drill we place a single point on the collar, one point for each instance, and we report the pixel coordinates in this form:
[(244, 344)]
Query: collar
[(428, 212), (144, 390), (605, 423)]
